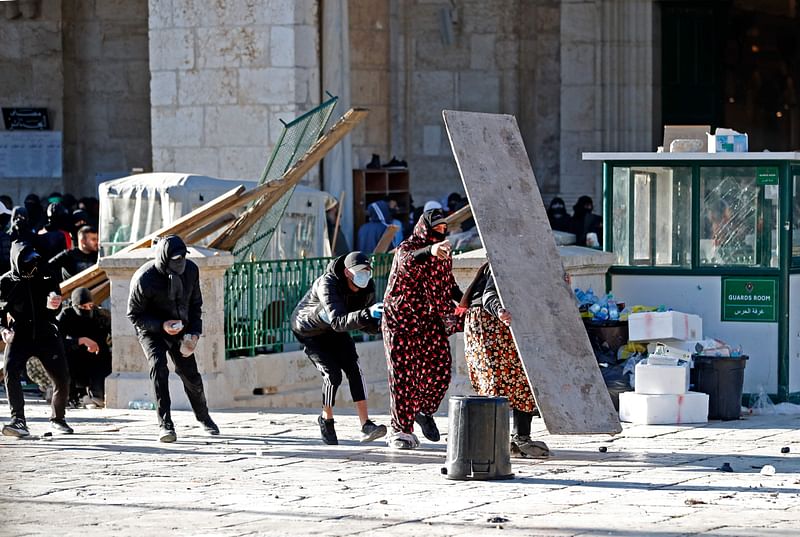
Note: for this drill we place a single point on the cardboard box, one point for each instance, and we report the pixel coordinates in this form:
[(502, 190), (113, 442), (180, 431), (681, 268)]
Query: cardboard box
[(691, 407), (661, 379), (661, 325), (727, 143)]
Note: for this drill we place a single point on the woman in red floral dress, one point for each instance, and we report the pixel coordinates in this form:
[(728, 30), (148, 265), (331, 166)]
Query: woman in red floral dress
[(494, 365), (418, 316)]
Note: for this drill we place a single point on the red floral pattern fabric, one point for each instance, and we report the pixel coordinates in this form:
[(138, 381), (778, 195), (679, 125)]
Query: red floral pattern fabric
[(492, 360), (418, 316)]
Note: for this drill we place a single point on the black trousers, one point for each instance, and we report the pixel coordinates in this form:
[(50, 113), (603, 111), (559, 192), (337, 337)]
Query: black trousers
[(522, 423), (88, 370), (333, 353), (156, 348), (51, 354)]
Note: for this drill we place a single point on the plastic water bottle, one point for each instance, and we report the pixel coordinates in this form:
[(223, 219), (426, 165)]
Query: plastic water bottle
[(141, 404), (613, 310)]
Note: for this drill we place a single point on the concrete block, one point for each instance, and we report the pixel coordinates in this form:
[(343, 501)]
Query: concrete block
[(236, 125), (243, 162), (432, 92), (431, 140), (11, 41), (479, 91), (577, 64), (661, 379), (207, 86), (177, 127), (306, 48), (159, 14), (42, 39), (270, 85), (199, 160), (281, 46), (691, 407), (164, 159), (579, 22), (277, 12), (482, 51), (163, 88), (232, 47), (186, 13), (171, 49)]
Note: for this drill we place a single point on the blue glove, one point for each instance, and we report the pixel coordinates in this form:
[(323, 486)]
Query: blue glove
[(376, 310)]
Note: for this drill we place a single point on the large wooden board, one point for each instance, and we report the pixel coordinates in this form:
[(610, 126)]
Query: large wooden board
[(513, 225)]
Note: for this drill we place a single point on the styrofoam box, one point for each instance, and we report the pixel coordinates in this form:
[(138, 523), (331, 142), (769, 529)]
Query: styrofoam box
[(679, 348), (690, 407), (661, 379), (658, 325)]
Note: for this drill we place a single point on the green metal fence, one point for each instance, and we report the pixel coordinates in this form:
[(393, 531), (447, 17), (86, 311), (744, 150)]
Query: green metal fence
[(260, 297)]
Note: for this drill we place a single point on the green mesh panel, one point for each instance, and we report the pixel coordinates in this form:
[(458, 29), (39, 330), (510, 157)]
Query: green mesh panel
[(297, 137)]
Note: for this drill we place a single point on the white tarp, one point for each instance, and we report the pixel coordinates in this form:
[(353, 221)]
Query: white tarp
[(134, 206)]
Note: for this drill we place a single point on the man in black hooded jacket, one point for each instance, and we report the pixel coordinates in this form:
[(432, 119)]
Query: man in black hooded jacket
[(165, 308), (341, 300), (29, 302)]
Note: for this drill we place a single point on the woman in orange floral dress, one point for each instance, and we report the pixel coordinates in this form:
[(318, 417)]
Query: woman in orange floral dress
[(494, 365)]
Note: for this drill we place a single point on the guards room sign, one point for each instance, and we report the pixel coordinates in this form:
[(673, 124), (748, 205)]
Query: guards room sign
[(749, 300)]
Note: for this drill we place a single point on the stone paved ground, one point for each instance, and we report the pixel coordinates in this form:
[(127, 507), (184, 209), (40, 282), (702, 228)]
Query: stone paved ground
[(268, 474)]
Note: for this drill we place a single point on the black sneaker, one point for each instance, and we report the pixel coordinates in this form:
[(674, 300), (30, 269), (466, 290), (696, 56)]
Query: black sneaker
[(60, 426), (327, 431), (428, 426), (375, 163), (396, 164), (370, 431), (166, 433), (210, 427), (16, 428)]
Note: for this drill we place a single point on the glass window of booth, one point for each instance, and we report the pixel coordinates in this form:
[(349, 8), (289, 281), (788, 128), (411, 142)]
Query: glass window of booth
[(796, 217), (738, 218), (651, 216)]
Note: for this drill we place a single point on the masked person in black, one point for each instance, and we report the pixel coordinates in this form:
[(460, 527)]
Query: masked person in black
[(55, 238), (341, 300), (86, 330), (29, 303), (165, 307)]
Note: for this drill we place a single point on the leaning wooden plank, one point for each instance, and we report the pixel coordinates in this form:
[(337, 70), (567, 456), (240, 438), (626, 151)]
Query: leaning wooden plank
[(227, 240), (513, 226), (459, 217), (189, 222), (386, 239), (101, 292)]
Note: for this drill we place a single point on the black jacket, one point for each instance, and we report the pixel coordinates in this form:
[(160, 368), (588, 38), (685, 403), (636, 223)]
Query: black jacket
[(23, 301), (70, 262), (157, 294), (73, 326), (345, 310), (483, 292)]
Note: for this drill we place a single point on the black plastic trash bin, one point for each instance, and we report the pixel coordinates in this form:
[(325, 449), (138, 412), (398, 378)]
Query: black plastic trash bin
[(606, 335), (478, 439), (722, 379)]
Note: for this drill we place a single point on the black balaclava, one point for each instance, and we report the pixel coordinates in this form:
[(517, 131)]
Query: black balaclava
[(24, 260), (81, 296), (21, 228), (58, 217), (166, 249)]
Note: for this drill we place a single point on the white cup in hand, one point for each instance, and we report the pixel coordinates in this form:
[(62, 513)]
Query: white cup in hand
[(53, 301)]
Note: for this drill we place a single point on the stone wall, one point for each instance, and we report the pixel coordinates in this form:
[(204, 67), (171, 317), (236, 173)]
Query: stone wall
[(223, 74), (106, 90), (32, 74), (370, 78)]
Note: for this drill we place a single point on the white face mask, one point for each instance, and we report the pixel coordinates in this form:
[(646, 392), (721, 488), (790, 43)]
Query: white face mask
[(361, 278)]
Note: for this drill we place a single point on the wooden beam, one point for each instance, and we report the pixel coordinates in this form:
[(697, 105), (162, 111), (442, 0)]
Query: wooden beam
[(386, 239), (338, 220), (459, 217), (228, 239)]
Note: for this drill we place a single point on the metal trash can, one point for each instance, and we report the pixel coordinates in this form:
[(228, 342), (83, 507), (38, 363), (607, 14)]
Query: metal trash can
[(478, 439), (722, 378)]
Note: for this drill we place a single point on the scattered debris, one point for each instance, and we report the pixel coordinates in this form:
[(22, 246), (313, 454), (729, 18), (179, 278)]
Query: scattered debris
[(497, 520), (602, 449), (726, 467), (384, 502), (785, 449), (729, 496), (692, 501), (768, 469)]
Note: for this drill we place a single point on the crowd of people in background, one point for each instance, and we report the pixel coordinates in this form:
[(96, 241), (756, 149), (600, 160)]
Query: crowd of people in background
[(65, 351)]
